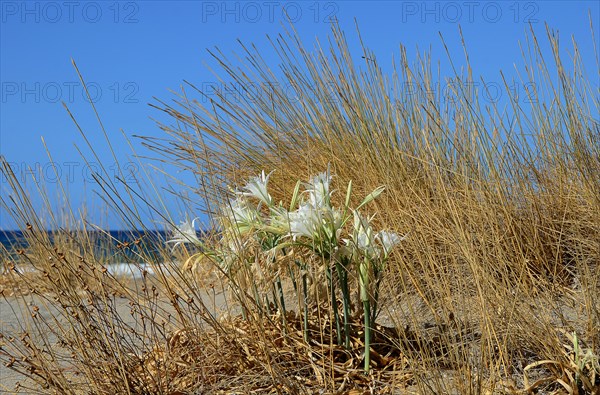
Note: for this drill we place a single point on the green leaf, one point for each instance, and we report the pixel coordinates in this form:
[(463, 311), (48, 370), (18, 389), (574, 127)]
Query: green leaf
[(345, 216), (363, 279), (372, 196), (348, 194), (295, 196)]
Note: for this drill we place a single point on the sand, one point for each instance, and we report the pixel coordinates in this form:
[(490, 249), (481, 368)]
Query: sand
[(12, 312)]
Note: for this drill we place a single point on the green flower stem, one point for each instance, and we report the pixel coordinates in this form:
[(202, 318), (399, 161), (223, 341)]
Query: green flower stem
[(377, 275), (303, 269), (293, 277), (343, 276), (364, 269), (305, 294), (367, 310), (374, 308), (334, 306), (281, 297)]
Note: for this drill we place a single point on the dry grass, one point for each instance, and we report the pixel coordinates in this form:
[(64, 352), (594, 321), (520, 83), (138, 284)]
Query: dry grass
[(501, 266)]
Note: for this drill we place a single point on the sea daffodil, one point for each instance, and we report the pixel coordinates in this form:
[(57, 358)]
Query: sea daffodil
[(257, 187), (185, 233)]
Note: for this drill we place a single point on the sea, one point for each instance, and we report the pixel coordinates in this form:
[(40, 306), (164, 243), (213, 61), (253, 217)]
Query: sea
[(120, 250)]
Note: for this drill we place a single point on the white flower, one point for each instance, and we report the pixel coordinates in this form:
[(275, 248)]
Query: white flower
[(241, 214), (305, 222), (257, 187), (320, 224), (388, 241), (315, 218), (318, 190), (363, 237), (333, 220), (185, 233)]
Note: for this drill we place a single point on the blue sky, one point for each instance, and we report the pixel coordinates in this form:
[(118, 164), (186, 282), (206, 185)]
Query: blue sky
[(132, 51)]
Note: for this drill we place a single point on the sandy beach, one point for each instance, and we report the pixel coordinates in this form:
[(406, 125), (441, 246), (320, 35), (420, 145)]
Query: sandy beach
[(12, 312), (11, 319)]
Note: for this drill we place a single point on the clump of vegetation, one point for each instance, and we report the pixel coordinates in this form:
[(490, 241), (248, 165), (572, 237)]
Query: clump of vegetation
[(495, 289), (258, 249)]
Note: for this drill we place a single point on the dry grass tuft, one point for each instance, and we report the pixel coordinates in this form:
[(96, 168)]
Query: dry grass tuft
[(245, 358)]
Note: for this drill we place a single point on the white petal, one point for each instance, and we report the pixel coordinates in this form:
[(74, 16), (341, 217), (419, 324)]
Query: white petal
[(185, 233)]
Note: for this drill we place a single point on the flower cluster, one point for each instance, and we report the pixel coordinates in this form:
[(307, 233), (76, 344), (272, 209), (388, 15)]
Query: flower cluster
[(256, 232)]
